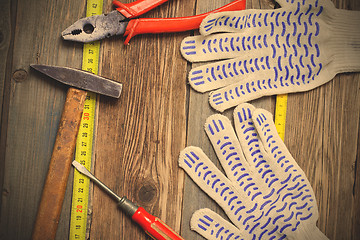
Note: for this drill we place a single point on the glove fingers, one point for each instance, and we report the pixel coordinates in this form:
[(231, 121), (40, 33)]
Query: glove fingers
[(257, 36), (290, 176), (254, 19), (263, 147), (253, 147), (252, 88), (271, 200), (271, 139), (214, 183), (214, 47), (226, 145), (224, 73), (203, 172), (291, 45), (249, 77), (212, 226), (235, 21), (255, 43), (275, 147), (301, 3), (246, 131)]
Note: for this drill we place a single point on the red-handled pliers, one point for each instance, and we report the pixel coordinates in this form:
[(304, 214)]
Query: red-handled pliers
[(117, 22)]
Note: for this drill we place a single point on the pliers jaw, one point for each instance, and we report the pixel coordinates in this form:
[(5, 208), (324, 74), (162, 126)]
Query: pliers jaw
[(96, 27)]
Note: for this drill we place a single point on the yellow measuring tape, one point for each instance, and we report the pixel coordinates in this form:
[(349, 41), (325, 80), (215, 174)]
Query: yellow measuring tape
[(280, 114), (83, 154)]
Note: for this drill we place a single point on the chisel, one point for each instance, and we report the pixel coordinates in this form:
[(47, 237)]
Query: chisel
[(153, 226)]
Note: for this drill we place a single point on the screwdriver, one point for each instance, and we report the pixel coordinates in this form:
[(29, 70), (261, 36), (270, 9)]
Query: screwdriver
[(153, 226)]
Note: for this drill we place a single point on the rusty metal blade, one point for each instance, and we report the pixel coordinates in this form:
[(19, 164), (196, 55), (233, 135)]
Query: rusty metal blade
[(81, 79)]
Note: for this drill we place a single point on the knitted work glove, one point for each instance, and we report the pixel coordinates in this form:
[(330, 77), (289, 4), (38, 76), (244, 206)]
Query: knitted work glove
[(295, 48), (265, 194)]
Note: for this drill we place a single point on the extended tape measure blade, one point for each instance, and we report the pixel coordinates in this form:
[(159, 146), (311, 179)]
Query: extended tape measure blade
[(83, 155), (84, 144)]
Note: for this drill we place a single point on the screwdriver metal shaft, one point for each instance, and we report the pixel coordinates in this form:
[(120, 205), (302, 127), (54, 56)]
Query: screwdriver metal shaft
[(153, 226)]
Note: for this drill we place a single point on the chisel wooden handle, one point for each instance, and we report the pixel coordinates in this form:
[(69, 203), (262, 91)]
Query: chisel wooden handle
[(55, 185)]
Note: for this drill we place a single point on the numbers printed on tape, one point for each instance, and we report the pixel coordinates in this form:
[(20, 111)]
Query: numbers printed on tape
[(81, 183), (280, 114), (83, 154)]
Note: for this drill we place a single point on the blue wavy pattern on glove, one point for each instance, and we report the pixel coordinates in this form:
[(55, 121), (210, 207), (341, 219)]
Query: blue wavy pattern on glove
[(274, 199), (286, 39)]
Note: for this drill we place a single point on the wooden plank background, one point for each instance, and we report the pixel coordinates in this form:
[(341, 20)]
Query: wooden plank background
[(140, 135)]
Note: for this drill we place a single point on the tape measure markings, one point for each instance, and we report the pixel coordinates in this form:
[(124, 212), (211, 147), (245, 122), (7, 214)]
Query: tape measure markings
[(280, 114), (84, 144), (81, 184)]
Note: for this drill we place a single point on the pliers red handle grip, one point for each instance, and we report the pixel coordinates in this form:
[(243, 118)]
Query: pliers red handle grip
[(137, 8), (121, 22), (167, 25)]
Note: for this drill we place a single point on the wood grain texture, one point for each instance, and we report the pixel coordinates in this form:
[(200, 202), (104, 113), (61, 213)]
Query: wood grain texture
[(35, 105), (140, 135), (199, 110), (5, 42)]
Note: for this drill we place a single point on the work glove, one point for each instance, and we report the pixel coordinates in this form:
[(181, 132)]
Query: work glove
[(265, 193), (295, 48)]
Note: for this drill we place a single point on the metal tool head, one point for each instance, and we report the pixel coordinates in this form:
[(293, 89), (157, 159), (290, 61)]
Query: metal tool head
[(81, 79), (82, 169), (96, 27)]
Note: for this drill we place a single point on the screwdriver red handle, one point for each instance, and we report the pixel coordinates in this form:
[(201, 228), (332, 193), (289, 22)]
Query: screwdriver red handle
[(180, 24), (153, 226)]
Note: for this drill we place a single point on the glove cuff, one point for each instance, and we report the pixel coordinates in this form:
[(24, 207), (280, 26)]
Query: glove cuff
[(344, 40), (308, 232)]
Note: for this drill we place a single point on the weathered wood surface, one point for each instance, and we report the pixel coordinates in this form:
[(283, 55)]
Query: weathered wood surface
[(140, 135), (34, 108)]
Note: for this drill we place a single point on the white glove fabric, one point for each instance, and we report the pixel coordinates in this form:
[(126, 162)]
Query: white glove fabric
[(265, 193), (295, 48)]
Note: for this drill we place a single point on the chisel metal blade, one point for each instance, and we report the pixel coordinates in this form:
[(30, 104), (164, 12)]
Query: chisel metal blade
[(82, 169), (81, 79)]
